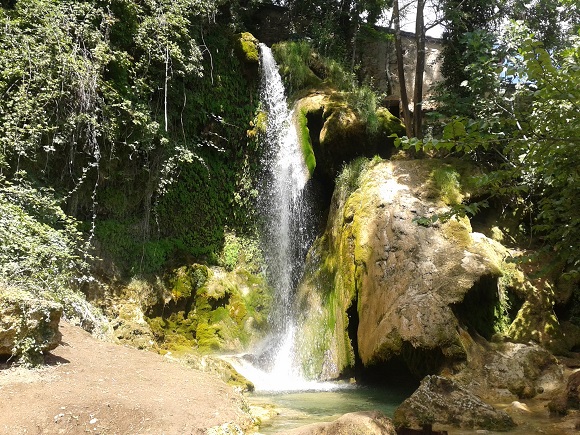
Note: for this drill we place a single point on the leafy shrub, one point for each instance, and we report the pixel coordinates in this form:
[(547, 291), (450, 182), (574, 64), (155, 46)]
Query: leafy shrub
[(42, 252)]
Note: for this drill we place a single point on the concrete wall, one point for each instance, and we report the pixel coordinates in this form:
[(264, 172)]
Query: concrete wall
[(379, 65)]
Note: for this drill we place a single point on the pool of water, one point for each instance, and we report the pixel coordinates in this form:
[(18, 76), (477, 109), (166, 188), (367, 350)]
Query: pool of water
[(298, 408)]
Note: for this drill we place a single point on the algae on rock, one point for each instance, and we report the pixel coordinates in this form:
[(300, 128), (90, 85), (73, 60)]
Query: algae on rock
[(210, 308), (405, 280)]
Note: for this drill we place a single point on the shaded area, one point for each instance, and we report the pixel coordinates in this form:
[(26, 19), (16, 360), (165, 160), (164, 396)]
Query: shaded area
[(485, 309)]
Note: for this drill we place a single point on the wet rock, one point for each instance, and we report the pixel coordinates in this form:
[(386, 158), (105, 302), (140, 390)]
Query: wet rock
[(442, 401), (28, 325), (394, 285), (355, 423)]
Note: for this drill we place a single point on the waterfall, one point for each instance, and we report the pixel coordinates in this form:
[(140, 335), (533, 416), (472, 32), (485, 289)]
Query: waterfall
[(282, 194), (289, 232)]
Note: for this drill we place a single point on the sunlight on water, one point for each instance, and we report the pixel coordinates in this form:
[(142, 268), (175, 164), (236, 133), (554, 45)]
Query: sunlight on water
[(273, 367)]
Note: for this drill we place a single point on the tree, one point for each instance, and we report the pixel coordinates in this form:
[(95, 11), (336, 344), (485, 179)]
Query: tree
[(526, 135), (334, 26), (413, 120)]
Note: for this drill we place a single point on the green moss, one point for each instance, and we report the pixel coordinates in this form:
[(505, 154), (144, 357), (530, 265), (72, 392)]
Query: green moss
[(389, 123), (305, 140), (247, 47), (207, 338), (218, 310), (445, 181)]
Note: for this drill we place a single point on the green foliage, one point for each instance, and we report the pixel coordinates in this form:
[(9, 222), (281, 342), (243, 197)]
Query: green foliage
[(527, 135), (301, 68), (293, 59), (349, 178), (112, 103), (42, 251)]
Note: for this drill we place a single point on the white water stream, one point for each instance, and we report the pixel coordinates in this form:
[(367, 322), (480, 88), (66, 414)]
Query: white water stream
[(288, 235)]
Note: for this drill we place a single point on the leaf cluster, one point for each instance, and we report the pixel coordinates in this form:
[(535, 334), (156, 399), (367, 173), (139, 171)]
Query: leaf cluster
[(526, 134)]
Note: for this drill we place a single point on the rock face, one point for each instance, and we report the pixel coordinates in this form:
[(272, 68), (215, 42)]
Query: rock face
[(331, 133), (440, 400), (568, 398), (508, 371), (355, 423), (396, 286), (28, 325)]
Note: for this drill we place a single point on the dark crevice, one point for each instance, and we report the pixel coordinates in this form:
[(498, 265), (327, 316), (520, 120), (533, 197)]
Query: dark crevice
[(392, 374), (482, 310), (353, 322)]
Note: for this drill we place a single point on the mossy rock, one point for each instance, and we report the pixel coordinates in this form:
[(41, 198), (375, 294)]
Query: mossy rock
[(331, 133), (247, 51), (220, 310), (28, 325)]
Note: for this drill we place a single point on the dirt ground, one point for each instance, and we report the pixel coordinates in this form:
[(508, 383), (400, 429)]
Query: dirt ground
[(90, 386)]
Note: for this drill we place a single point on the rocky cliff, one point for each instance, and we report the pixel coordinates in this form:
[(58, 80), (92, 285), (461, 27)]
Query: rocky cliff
[(387, 281)]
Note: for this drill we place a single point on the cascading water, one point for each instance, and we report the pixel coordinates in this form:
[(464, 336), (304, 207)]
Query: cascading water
[(288, 234), (282, 194)]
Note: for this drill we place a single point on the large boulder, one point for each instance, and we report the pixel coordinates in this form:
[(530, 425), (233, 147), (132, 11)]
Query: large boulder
[(383, 272), (508, 371), (441, 401), (28, 325), (568, 397), (355, 423)]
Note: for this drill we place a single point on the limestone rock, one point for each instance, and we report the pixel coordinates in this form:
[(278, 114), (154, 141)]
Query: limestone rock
[(28, 325), (441, 401), (355, 423), (335, 134), (500, 371), (404, 283)]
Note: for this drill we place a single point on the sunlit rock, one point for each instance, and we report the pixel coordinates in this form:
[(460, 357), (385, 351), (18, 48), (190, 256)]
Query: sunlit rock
[(504, 371), (355, 423), (28, 325), (386, 281), (442, 401)]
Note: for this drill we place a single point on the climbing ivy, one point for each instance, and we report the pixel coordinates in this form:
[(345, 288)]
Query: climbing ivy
[(115, 105)]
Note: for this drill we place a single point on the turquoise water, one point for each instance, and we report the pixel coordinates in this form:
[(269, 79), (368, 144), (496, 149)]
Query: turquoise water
[(299, 408)]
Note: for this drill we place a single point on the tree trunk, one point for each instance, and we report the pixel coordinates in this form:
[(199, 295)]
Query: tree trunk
[(401, 70), (419, 71)]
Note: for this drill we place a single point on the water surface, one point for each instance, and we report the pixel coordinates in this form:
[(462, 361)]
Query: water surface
[(298, 408)]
